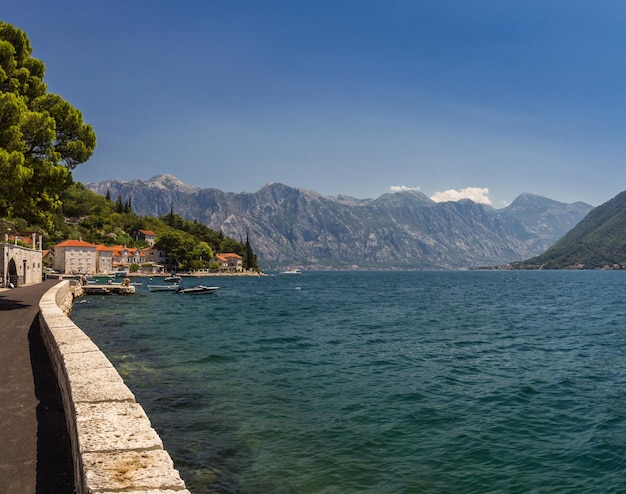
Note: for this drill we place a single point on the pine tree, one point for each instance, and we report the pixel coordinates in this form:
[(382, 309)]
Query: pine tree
[(42, 136)]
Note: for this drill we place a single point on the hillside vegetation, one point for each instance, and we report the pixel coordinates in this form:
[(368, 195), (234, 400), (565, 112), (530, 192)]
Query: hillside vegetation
[(598, 241), (98, 219)]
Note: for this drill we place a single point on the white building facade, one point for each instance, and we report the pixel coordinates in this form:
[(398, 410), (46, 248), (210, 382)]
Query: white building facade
[(21, 265), (75, 257)]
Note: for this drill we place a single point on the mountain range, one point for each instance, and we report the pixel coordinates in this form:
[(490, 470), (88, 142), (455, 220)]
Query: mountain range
[(289, 226), (598, 241)]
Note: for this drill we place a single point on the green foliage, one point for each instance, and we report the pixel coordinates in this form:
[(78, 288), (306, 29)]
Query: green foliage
[(250, 259), (597, 241), (42, 137), (216, 240), (96, 219), (188, 249)]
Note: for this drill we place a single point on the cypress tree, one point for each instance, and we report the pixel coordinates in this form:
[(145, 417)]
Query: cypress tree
[(250, 257)]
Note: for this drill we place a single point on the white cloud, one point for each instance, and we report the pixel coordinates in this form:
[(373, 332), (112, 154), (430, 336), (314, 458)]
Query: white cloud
[(476, 194), (400, 188)]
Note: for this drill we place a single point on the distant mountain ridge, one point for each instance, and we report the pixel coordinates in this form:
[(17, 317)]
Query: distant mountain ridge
[(598, 241), (288, 226)]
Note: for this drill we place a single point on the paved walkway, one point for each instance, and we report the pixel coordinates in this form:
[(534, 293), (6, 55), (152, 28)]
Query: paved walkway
[(35, 452)]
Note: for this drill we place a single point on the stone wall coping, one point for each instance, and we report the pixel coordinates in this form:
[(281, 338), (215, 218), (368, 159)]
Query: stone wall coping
[(114, 446)]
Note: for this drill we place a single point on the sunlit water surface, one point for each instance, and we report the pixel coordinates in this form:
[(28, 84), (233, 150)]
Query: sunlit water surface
[(385, 382)]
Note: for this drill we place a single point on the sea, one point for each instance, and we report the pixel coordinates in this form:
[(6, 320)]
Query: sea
[(381, 382)]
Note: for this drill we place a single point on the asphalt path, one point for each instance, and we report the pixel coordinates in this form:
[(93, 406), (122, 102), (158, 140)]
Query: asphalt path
[(35, 451)]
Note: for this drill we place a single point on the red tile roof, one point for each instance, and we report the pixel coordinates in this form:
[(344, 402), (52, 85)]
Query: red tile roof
[(75, 243), (228, 255)]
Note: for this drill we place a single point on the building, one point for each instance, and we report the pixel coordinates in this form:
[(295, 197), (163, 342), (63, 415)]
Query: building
[(229, 261), (25, 240), (124, 256), (21, 265), (75, 257), (147, 236), (104, 259), (48, 257), (157, 259)]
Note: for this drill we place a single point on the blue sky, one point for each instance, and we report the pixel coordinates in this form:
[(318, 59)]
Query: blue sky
[(353, 97)]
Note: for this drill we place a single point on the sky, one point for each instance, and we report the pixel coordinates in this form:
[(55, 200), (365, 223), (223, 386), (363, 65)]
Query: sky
[(485, 99)]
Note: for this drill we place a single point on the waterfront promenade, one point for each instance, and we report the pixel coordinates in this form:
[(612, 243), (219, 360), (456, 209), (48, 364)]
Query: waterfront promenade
[(35, 451)]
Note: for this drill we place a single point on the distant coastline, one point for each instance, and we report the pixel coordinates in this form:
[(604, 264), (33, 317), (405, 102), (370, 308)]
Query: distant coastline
[(196, 274)]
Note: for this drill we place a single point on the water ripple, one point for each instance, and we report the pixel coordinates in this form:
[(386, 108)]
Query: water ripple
[(473, 382)]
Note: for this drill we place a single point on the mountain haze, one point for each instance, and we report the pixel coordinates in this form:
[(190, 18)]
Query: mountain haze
[(289, 226), (541, 221), (599, 240)]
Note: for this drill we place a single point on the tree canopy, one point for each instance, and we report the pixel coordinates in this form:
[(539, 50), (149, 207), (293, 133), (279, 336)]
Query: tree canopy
[(96, 219), (42, 136)]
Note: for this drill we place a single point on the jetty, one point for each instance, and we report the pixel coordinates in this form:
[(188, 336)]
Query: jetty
[(106, 290)]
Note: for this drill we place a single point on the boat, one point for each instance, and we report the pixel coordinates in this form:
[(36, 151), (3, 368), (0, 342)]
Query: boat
[(164, 288), (199, 289), (173, 278), (124, 282), (120, 273), (291, 271)]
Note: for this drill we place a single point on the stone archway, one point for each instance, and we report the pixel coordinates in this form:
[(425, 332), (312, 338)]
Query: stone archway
[(12, 274)]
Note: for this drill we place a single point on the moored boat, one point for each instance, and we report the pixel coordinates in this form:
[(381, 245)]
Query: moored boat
[(199, 289), (164, 288)]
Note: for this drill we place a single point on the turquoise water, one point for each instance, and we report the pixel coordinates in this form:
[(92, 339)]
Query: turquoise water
[(436, 382)]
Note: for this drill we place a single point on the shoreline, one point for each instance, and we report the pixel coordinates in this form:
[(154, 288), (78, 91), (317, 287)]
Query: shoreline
[(196, 274), (114, 446)]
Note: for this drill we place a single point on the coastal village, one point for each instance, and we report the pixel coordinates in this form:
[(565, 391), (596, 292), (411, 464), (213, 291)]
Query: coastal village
[(79, 257), (25, 262)]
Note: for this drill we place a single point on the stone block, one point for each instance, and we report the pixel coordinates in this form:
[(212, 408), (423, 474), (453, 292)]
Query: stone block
[(99, 384), (131, 471), (114, 426), (85, 362)]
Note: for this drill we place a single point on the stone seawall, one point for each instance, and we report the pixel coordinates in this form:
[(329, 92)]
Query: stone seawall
[(114, 446)]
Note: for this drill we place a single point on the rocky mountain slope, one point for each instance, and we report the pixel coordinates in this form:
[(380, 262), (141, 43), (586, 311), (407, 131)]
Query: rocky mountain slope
[(540, 221), (598, 241), (289, 226)]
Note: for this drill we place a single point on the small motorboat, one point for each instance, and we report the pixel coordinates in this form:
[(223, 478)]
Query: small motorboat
[(199, 289), (164, 288), (173, 278), (291, 271)]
